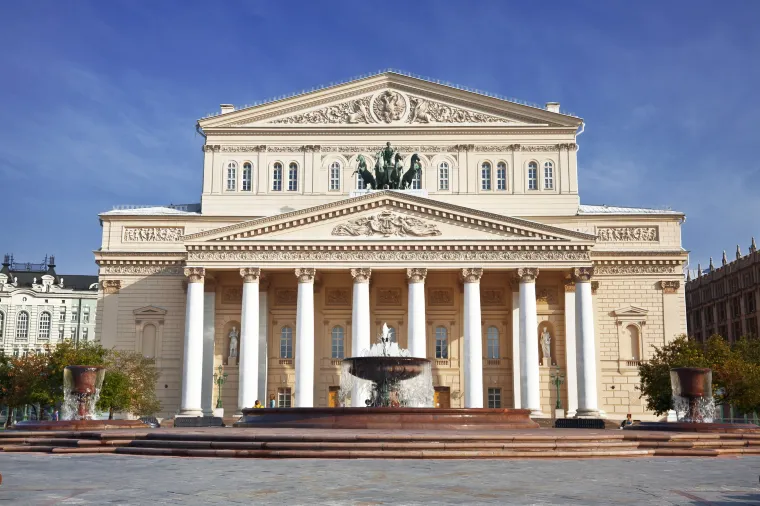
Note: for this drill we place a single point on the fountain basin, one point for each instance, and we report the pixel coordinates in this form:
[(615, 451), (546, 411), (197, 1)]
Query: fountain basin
[(380, 369), (79, 425), (691, 382), (389, 418)]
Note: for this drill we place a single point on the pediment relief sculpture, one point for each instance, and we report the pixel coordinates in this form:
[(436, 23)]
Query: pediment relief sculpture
[(387, 224)]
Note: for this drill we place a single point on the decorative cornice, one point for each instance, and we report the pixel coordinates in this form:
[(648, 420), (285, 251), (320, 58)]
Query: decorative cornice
[(527, 274), (583, 274), (110, 286), (416, 275), (627, 267), (669, 286), (195, 274), (250, 274), (361, 275), (142, 270), (472, 275), (244, 149), (306, 275)]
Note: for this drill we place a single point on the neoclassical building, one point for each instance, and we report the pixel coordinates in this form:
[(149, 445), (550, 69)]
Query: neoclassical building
[(484, 261)]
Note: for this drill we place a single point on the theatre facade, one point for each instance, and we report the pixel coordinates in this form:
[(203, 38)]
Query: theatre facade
[(452, 216)]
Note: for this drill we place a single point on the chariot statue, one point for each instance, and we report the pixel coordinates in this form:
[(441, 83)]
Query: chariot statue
[(390, 173)]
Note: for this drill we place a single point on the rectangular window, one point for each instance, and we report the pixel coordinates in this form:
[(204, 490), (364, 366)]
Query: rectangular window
[(62, 317), (749, 302), (60, 333), (86, 315), (721, 312), (283, 397), (709, 315), (85, 332), (359, 182), (494, 397), (74, 315), (73, 335), (533, 178), (736, 310), (501, 176), (231, 176), (441, 343), (736, 330)]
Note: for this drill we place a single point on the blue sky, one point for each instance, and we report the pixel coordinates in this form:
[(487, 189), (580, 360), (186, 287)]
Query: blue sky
[(99, 99)]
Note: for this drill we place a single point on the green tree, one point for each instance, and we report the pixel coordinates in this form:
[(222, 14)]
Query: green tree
[(23, 380), (115, 394), (142, 376)]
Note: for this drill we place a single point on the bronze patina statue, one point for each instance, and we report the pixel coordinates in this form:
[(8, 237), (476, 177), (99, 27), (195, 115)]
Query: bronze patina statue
[(389, 170)]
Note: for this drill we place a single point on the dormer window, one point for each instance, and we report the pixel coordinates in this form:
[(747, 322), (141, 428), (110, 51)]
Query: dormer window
[(231, 176)]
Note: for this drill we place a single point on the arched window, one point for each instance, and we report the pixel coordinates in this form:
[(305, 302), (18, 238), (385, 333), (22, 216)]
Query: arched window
[(441, 343), (548, 176), (392, 334), (443, 176), (2, 325), (286, 342), (231, 176), (43, 331), (417, 180), (277, 177), (533, 176), (501, 176), (247, 176), (335, 177), (293, 177), (338, 338), (492, 340), (22, 326), (485, 176), (630, 348)]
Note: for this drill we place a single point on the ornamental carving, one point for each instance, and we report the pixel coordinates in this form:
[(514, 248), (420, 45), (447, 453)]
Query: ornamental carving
[(211, 148), (352, 112), (538, 147), (244, 149), (636, 269), (440, 297), (427, 111), (627, 234), (416, 275), (110, 286), (389, 296), (306, 275), (472, 275), (337, 297), (361, 275), (669, 286), (142, 270), (250, 274), (195, 274), (389, 106), (547, 296), (374, 148), (387, 224), (583, 274), (569, 286), (527, 274), (391, 256), (285, 297), (492, 297), (152, 234), (232, 295)]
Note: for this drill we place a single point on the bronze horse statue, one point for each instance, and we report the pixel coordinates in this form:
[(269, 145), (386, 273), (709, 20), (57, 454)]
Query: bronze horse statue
[(381, 174), (365, 174), (394, 180), (414, 168)]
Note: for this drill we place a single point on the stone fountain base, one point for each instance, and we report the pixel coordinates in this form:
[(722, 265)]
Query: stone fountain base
[(388, 418), (79, 425), (730, 428)]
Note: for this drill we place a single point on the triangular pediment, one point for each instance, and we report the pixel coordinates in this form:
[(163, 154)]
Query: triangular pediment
[(390, 216), (149, 311), (630, 311), (390, 100)]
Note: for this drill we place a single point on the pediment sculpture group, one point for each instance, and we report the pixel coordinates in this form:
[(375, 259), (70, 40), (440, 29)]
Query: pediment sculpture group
[(389, 170)]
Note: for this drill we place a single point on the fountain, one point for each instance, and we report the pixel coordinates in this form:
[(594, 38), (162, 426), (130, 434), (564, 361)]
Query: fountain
[(694, 405), (81, 391), (389, 389)]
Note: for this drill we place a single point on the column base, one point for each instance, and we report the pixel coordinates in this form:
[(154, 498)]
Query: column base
[(190, 413), (537, 413), (587, 413), (570, 414), (206, 412)]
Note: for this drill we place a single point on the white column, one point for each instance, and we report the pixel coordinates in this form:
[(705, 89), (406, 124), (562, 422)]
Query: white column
[(305, 339), (585, 349), (473, 340), (192, 367), (516, 382), (263, 345), (248, 386), (530, 396), (360, 337), (416, 314), (571, 375), (207, 388)]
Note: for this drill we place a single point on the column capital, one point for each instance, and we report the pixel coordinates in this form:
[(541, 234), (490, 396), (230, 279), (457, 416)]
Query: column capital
[(472, 275), (527, 274), (195, 274), (306, 275), (110, 286), (361, 275), (416, 275), (583, 274), (668, 286), (569, 285), (250, 274)]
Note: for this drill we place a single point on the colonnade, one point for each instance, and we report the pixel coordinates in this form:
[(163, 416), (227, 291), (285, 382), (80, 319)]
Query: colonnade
[(579, 315)]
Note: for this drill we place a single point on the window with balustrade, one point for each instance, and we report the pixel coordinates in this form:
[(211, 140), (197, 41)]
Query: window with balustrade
[(338, 340), (492, 342), (441, 343), (286, 342)]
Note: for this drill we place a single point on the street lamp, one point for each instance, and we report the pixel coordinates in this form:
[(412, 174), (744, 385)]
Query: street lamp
[(220, 379), (557, 379)]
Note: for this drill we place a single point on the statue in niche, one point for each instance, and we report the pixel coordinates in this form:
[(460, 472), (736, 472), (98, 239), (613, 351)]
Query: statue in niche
[(233, 335), (546, 345)]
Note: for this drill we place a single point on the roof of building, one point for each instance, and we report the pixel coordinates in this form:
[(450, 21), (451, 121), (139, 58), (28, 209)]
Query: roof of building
[(25, 274), (171, 209), (604, 209)]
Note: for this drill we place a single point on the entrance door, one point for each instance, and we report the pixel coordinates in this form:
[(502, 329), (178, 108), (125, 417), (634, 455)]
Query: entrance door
[(442, 397), (332, 397)]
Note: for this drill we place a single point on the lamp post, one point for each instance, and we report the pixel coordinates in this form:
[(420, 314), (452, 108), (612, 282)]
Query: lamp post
[(557, 379), (220, 379)]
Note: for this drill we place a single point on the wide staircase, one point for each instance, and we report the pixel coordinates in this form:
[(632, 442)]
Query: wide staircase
[(341, 444)]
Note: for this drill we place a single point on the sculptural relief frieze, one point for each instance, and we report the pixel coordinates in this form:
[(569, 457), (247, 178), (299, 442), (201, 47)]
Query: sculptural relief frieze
[(627, 234), (389, 106), (142, 270), (232, 295), (546, 296), (389, 296), (286, 297), (387, 224), (337, 297), (491, 297), (244, 149), (636, 269), (440, 297), (428, 111), (352, 112), (152, 234)]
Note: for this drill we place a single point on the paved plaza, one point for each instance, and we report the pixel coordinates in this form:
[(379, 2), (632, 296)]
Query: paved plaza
[(111, 479)]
